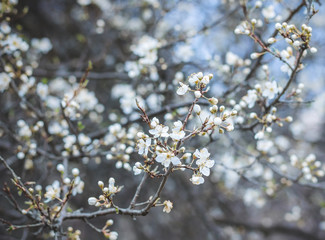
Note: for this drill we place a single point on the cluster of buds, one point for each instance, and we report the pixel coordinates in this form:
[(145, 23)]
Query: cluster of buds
[(294, 36), (121, 153), (221, 119), (267, 120), (310, 168), (106, 198), (73, 234), (71, 107), (198, 80), (55, 191), (122, 143), (296, 92), (111, 235), (244, 27)]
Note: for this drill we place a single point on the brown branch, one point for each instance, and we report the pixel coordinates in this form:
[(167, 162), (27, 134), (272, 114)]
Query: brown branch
[(269, 230), (92, 75), (137, 193)]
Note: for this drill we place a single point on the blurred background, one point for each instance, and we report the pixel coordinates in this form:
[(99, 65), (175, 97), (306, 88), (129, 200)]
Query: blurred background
[(188, 37)]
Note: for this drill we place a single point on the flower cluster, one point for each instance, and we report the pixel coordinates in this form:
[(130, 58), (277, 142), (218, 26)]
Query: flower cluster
[(164, 146), (295, 37), (106, 198), (146, 49), (121, 142), (204, 164), (311, 169), (58, 120), (268, 120)]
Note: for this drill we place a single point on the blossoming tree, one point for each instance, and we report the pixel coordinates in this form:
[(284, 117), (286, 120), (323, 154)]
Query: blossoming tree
[(116, 110)]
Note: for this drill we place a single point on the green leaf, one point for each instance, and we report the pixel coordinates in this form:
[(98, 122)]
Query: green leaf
[(90, 65), (81, 38), (44, 80), (80, 126)]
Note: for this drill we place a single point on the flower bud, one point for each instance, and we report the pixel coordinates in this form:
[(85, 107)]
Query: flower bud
[(197, 94), (255, 55), (288, 119), (100, 184), (278, 26), (217, 121), (109, 222), (213, 101), (92, 201), (197, 109), (271, 40), (75, 172), (313, 50), (60, 168)]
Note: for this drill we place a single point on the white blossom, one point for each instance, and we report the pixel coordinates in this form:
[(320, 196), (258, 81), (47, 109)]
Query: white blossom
[(92, 201), (4, 81), (203, 161), (270, 90), (268, 12), (168, 205), (177, 132), (166, 158), (264, 145), (137, 168), (159, 131), (183, 89), (197, 179), (52, 191), (144, 146), (250, 98)]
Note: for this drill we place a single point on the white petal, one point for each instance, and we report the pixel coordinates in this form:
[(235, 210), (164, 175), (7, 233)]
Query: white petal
[(175, 160)]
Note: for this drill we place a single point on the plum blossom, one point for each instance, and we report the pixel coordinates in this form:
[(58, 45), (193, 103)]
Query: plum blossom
[(184, 53), (13, 43), (168, 205), (137, 168), (264, 145), (111, 186), (44, 45), (250, 98), (183, 89), (144, 145), (159, 131), (112, 235), (166, 158), (233, 59), (69, 141), (84, 139), (42, 90), (5, 28), (4, 81), (177, 132), (270, 90), (78, 186), (268, 12), (259, 135), (195, 78), (203, 161), (52, 191), (197, 179), (147, 50)]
